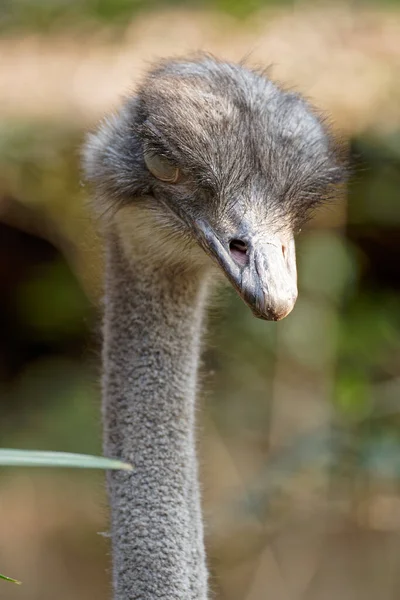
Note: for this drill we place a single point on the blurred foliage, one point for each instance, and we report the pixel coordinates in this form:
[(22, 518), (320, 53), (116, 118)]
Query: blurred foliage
[(375, 191), (52, 15), (66, 309), (33, 156), (60, 409), (45, 15)]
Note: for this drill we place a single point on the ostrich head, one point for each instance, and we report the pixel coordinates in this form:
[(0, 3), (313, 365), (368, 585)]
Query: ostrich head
[(211, 160)]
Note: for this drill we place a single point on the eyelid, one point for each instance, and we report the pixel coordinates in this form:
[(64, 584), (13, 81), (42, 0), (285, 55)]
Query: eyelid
[(162, 153), (162, 168)]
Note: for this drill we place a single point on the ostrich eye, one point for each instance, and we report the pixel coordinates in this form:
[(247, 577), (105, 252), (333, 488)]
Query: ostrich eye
[(161, 168)]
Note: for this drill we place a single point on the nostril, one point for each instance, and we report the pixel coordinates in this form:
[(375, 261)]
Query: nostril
[(239, 250)]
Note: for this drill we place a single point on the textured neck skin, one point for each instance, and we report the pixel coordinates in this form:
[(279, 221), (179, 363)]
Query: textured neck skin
[(152, 328)]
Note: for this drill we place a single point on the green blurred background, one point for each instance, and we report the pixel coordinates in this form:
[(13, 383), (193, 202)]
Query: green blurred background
[(299, 421)]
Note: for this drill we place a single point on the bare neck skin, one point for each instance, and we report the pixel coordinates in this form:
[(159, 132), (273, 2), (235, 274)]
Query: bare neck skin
[(152, 328)]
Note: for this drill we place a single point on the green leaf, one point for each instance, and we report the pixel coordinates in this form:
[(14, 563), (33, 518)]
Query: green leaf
[(35, 458), (10, 579)]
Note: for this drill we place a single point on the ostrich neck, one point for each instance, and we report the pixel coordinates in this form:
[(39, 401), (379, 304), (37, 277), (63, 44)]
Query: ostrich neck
[(152, 329)]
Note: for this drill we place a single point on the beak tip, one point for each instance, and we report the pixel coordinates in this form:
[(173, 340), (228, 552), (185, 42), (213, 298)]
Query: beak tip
[(284, 313), (275, 311), (272, 316)]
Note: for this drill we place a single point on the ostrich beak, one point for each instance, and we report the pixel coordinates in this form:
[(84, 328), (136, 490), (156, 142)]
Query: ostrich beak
[(261, 268)]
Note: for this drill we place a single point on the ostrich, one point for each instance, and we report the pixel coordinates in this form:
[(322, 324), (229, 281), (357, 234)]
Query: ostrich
[(210, 168)]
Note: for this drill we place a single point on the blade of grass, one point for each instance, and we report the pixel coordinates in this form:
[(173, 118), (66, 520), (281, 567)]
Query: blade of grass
[(10, 579), (37, 458)]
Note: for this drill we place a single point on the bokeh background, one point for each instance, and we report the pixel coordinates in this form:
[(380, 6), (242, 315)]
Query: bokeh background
[(298, 421)]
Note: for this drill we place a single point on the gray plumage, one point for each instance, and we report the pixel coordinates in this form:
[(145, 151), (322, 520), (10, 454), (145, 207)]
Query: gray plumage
[(253, 161)]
